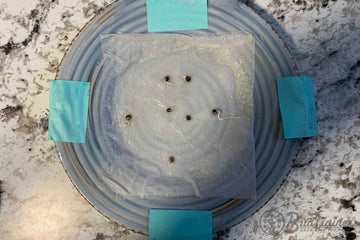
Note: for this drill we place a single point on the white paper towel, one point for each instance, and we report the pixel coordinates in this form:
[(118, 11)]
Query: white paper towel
[(212, 157)]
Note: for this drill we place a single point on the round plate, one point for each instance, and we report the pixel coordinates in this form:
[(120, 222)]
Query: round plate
[(273, 153)]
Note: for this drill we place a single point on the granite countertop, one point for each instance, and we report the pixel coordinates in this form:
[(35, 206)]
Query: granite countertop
[(322, 192)]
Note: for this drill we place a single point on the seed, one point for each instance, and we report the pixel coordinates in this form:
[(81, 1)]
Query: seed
[(187, 78), (214, 111), (166, 79), (188, 118), (171, 159), (128, 117), (169, 109)]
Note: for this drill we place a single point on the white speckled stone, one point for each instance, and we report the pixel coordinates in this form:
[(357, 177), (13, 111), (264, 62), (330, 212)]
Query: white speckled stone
[(38, 199)]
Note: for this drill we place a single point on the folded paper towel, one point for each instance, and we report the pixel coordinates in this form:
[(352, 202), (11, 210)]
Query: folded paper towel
[(181, 121)]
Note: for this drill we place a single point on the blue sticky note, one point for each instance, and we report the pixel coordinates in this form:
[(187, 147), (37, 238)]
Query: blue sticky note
[(297, 106), (172, 15), (69, 102), (180, 224)]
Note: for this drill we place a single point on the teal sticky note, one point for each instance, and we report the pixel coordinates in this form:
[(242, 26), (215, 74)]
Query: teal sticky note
[(297, 106), (69, 103), (172, 15), (180, 224)]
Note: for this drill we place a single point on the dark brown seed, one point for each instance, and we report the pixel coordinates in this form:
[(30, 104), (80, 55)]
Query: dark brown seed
[(166, 79), (169, 109), (214, 112), (128, 117), (187, 78), (188, 118), (171, 159)]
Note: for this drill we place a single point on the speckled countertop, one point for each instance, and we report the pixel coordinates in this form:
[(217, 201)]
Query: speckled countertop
[(319, 200)]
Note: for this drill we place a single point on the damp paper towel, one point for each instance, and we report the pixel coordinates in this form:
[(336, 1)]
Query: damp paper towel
[(213, 156)]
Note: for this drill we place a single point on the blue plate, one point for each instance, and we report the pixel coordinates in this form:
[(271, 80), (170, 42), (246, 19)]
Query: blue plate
[(273, 153)]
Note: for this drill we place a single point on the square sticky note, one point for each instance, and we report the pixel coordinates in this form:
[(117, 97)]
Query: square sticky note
[(172, 15), (297, 106), (69, 102), (180, 224)]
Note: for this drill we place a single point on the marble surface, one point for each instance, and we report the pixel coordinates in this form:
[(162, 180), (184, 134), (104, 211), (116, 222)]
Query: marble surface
[(322, 191)]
